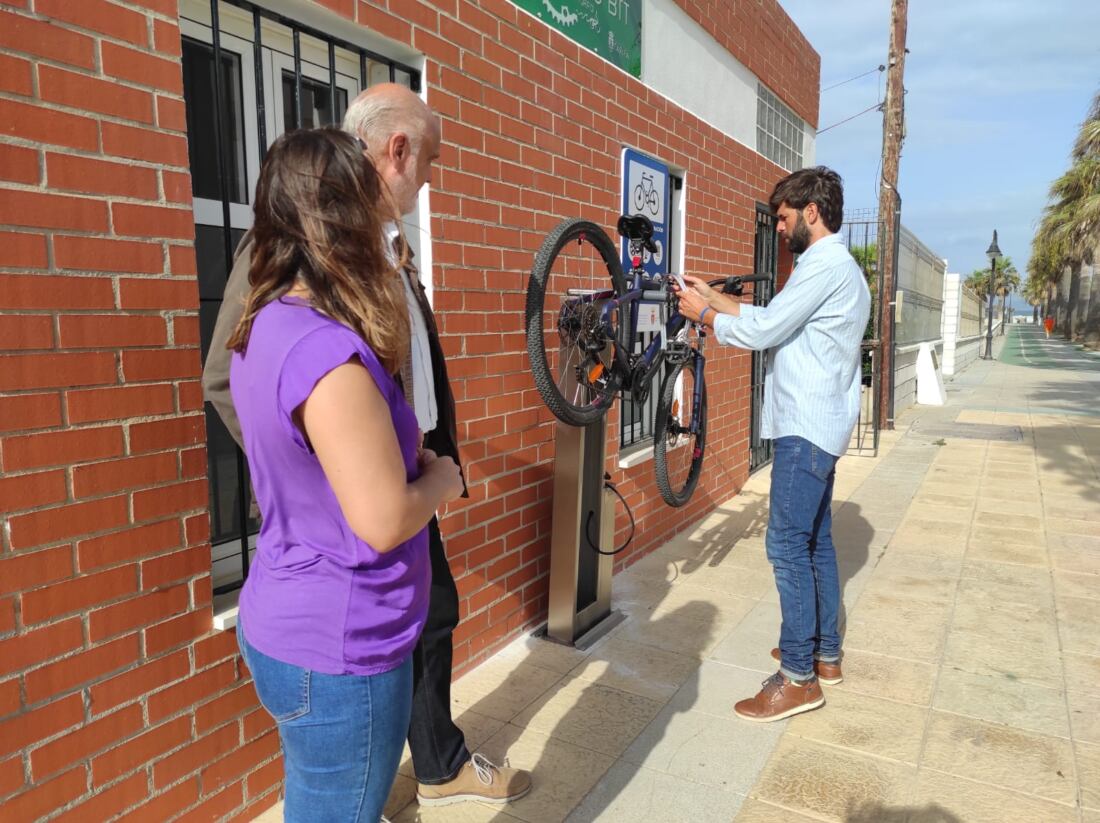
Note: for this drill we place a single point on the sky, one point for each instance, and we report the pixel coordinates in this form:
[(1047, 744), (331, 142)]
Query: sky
[(996, 92)]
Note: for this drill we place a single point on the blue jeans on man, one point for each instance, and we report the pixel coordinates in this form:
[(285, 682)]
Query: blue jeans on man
[(800, 547)]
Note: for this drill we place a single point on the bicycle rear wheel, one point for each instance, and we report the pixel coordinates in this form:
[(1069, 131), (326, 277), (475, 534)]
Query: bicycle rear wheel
[(679, 434), (576, 269)]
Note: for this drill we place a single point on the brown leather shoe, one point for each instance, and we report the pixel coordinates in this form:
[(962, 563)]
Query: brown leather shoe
[(479, 780), (828, 673), (780, 697)]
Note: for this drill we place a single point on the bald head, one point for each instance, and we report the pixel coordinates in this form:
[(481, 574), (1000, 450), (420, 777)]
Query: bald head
[(387, 109), (402, 137)]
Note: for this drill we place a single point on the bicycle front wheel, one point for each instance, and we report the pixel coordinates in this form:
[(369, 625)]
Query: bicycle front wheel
[(576, 270), (680, 433)]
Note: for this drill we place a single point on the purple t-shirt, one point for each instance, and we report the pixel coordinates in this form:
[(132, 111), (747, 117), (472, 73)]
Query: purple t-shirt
[(317, 596)]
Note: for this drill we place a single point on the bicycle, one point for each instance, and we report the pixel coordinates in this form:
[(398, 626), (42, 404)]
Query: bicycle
[(580, 334), (646, 195)]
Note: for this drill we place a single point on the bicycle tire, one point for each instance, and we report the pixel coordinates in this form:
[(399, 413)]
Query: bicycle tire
[(566, 232), (674, 493)]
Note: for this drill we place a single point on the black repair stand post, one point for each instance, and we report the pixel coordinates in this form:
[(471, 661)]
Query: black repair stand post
[(584, 512)]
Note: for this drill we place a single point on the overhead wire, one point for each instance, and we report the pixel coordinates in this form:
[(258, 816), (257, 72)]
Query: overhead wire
[(857, 77)]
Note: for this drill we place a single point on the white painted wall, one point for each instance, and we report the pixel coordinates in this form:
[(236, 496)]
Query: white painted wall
[(688, 66)]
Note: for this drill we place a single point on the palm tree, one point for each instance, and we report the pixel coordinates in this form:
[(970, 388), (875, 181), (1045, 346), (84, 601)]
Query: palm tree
[(1008, 281), (1068, 236)]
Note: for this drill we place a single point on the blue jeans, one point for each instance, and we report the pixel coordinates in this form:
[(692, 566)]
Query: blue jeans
[(800, 548), (341, 734)]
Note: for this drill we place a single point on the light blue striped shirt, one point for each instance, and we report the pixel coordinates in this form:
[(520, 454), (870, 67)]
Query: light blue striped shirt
[(813, 328)]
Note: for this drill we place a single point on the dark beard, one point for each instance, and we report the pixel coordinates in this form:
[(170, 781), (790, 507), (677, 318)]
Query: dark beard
[(798, 240)]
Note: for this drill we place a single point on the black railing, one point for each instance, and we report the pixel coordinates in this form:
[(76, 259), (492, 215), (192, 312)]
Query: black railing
[(765, 261), (242, 526)]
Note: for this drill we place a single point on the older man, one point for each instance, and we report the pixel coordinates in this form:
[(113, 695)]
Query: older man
[(402, 136), (813, 330)]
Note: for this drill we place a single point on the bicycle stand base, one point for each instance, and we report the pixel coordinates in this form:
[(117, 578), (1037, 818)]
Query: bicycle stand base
[(580, 578)]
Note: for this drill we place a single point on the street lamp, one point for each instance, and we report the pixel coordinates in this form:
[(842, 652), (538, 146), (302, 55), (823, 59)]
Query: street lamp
[(994, 254)]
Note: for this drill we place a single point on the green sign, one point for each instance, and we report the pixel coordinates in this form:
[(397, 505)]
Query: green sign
[(611, 28)]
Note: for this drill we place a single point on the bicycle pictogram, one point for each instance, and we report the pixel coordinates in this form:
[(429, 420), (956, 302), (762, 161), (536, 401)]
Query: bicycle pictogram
[(645, 194)]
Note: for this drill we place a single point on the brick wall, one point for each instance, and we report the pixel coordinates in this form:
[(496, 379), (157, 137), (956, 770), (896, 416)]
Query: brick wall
[(115, 695)]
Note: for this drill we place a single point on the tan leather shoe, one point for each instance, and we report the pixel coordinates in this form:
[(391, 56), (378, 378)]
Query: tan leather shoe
[(828, 673), (780, 697), (480, 780)]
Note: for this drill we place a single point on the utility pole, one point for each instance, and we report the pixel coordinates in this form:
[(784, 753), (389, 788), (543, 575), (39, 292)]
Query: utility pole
[(889, 204)]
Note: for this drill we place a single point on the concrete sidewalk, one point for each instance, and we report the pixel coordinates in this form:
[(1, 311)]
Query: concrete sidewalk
[(969, 557)]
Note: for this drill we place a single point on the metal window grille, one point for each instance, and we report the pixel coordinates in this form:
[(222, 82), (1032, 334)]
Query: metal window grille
[(302, 78), (765, 261), (779, 131)]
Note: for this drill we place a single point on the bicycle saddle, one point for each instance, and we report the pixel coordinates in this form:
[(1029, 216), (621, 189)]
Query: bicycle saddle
[(638, 227)]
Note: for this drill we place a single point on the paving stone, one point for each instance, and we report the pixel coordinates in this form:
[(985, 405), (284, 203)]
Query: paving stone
[(942, 797), (629, 792), (1003, 700), (865, 724)]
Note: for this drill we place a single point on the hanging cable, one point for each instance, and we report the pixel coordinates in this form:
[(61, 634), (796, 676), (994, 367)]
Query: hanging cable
[(876, 107), (850, 79), (607, 484)]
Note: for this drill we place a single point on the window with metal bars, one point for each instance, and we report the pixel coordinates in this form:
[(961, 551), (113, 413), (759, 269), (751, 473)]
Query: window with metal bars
[(779, 131), (249, 75)]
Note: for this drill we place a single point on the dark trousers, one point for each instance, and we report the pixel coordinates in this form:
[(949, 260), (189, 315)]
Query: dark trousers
[(438, 745)]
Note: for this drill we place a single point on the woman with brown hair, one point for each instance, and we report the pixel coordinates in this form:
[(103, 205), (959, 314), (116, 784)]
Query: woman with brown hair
[(336, 596)]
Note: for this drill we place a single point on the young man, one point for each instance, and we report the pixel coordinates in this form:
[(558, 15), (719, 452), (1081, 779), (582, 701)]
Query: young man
[(813, 329), (401, 136)]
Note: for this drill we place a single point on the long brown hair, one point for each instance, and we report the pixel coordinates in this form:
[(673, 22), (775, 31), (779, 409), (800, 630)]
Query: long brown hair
[(319, 213)]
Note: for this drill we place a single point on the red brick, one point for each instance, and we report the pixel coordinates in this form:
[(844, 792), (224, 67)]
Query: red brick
[(171, 114), (179, 630), (139, 541), (226, 707), (136, 612), (38, 724), (79, 594), (160, 364), (45, 39), (87, 174), (107, 803), (35, 646), (190, 692), (240, 761), (15, 75), (44, 371), (169, 8), (264, 778), (215, 648), (7, 615), (128, 473), (194, 756), (97, 15), (144, 144), (255, 724), (10, 700), (181, 260), (33, 122), (165, 806), (34, 569), (51, 211), (79, 91), (61, 448), (101, 254), (45, 292), (166, 38), (46, 797), (168, 434), (178, 497), (171, 568), (135, 753), (162, 293), (26, 331), (81, 668), (22, 250), (27, 491), (153, 221), (193, 463), (18, 164), (103, 331), (79, 744), (11, 775), (217, 806), (177, 186), (142, 68), (138, 682), (202, 590), (185, 329), (197, 529)]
